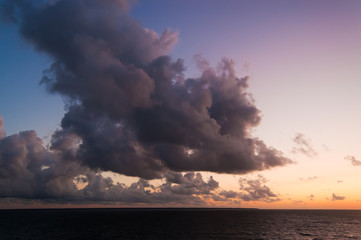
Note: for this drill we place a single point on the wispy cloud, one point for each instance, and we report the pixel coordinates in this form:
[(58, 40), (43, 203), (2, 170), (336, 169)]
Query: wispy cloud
[(303, 146), (353, 160), (309, 179)]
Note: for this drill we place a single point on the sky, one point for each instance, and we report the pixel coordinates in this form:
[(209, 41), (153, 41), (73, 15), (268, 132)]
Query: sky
[(180, 104)]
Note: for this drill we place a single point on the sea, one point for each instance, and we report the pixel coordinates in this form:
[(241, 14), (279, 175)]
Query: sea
[(179, 223)]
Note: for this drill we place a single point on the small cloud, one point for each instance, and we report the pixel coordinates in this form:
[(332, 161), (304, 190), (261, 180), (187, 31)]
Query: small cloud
[(353, 160), (311, 197), (303, 146), (336, 198), (256, 190), (251, 190), (339, 181), (229, 194), (326, 148), (309, 179)]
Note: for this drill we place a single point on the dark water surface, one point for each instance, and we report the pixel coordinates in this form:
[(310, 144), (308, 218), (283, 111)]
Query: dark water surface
[(179, 224)]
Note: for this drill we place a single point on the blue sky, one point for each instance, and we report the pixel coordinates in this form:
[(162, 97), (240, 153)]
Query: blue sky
[(24, 103)]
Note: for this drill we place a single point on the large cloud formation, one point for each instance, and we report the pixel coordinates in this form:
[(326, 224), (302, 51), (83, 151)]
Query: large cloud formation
[(130, 108)]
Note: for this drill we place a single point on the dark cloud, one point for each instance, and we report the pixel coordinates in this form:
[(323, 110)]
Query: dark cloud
[(2, 133), (303, 145), (336, 198), (129, 103), (189, 183), (30, 171), (189, 188), (353, 160), (129, 110)]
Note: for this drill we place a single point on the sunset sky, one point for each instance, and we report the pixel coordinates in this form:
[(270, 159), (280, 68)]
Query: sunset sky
[(251, 103)]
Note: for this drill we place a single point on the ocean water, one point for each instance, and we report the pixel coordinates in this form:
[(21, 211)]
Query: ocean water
[(179, 224)]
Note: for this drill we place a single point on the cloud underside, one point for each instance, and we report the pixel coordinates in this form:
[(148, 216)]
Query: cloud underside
[(33, 172), (130, 109)]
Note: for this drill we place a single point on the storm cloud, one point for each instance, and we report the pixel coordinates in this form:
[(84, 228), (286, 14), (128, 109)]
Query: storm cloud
[(130, 110)]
